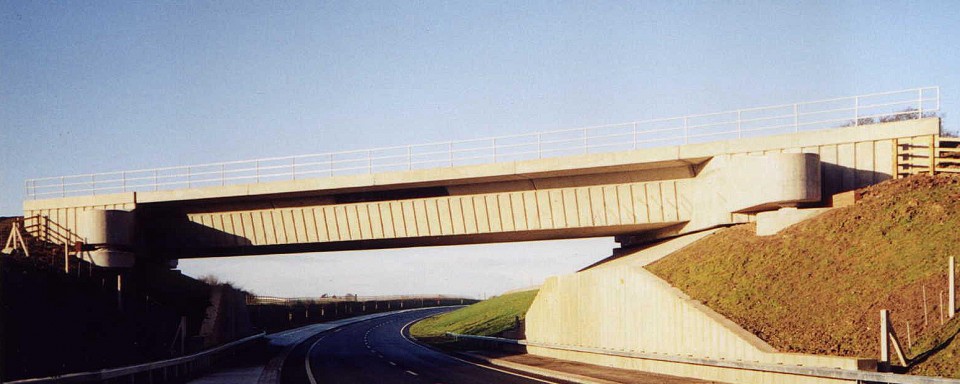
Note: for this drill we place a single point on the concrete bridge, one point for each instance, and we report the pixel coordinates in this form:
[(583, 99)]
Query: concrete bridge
[(638, 181)]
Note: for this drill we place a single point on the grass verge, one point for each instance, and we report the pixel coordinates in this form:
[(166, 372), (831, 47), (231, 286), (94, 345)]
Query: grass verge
[(486, 318)]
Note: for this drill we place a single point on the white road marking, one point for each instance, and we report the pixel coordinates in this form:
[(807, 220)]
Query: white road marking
[(412, 373), (465, 361), (306, 360)]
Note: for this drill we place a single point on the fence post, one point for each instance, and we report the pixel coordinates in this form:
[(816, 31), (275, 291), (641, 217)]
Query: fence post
[(952, 300), (884, 362)]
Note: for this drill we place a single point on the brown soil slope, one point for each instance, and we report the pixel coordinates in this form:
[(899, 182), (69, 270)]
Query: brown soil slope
[(818, 286)]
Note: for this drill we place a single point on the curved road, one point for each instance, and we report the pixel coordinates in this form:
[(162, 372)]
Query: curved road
[(378, 351)]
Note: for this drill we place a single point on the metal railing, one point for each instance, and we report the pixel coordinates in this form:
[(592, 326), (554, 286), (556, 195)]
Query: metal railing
[(799, 370), (161, 371), (741, 123), (42, 228)]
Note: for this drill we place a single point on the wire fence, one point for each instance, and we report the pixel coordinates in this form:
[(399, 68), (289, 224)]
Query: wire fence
[(691, 129)]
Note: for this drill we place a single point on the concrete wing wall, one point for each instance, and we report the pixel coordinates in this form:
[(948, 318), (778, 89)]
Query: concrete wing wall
[(623, 307)]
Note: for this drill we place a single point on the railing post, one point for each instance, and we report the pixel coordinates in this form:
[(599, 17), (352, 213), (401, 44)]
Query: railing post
[(739, 129), (539, 146), (796, 118), (856, 111), (920, 103), (586, 147)]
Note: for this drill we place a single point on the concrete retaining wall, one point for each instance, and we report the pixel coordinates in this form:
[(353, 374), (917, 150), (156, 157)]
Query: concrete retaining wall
[(621, 306)]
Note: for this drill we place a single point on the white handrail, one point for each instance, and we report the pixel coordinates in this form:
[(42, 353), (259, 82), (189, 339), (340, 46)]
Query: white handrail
[(818, 114)]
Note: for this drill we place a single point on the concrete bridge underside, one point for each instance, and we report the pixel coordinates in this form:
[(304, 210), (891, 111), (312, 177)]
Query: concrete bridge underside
[(649, 193)]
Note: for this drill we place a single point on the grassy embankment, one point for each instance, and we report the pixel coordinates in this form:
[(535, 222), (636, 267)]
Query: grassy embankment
[(486, 318), (817, 287)]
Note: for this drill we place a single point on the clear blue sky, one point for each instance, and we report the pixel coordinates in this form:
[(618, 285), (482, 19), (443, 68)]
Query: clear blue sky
[(100, 86)]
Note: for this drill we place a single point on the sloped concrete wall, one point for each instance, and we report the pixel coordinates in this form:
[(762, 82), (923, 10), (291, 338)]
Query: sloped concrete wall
[(622, 307)]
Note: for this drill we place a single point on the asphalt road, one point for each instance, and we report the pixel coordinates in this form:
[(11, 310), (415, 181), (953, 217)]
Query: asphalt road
[(377, 351)]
